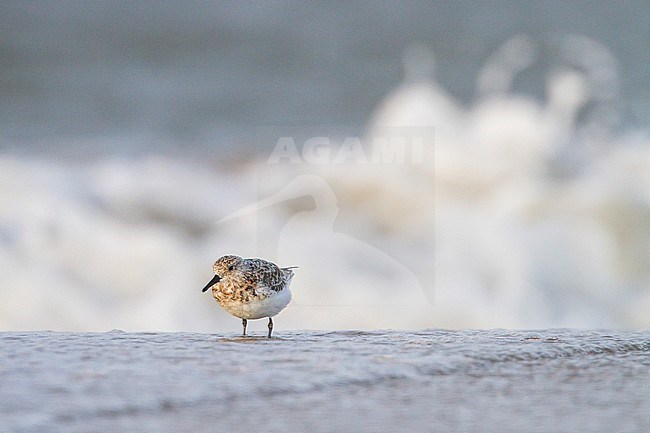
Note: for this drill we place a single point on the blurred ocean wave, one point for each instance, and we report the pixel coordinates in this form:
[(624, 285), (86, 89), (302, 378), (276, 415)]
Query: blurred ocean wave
[(528, 209), (485, 233)]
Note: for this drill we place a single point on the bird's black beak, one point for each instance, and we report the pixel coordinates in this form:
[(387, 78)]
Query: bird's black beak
[(212, 282)]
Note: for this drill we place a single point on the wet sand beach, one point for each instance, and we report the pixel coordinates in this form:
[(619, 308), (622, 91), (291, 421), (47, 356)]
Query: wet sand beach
[(434, 380)]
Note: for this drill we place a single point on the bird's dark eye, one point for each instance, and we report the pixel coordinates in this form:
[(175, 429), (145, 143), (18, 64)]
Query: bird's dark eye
[(231, 267)]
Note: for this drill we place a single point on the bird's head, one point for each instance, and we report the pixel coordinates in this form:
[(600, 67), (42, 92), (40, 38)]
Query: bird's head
[(223, 268)]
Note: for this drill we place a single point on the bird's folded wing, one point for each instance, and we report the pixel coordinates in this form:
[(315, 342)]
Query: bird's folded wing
[(264, 290)]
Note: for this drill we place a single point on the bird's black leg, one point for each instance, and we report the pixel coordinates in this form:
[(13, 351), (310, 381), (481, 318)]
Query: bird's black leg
[(244, 322), (270, 326)]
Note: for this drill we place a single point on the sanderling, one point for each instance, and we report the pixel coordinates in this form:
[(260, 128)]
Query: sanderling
[(250, 288)]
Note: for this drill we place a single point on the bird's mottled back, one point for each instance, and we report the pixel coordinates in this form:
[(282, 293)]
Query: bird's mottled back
[(268, 274)]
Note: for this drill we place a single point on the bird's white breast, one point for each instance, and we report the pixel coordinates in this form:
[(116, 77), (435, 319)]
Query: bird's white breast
[(259, 307)]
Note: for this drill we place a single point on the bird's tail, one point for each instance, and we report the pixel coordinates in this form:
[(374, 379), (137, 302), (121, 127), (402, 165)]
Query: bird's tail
[(287, 274)]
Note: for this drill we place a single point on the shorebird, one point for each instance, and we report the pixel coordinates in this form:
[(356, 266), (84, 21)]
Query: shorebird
[(250, 288)]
